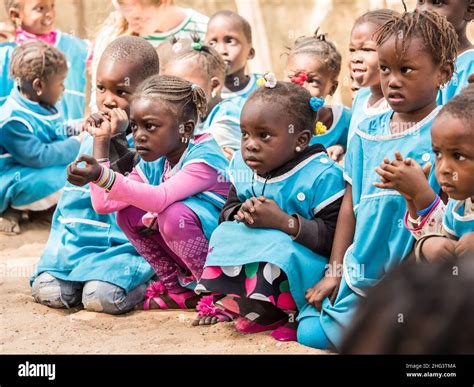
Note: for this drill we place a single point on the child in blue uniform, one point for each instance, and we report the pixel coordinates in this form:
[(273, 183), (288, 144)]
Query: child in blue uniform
[(231, 36), (87, 258), (459, 14), (34, 20), (370, 238), (277, 226), (201, 64), (369, 100), (315, 64), (442, 233), (34, 147)]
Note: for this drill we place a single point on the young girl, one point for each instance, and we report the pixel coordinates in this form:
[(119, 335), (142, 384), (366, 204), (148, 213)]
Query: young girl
[(369, 100), (202, 65), (278, 223), (441, 233), (315, 64), (34, 147), (415, 52), (169, 205), (34, 20), (87, 258), (231, 35), (459, 14), (155, 20)]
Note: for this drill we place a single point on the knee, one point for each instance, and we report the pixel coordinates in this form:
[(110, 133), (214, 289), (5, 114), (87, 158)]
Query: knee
[(50, 291), (124, 219), (99, 296), (311, 334), (175, 219)]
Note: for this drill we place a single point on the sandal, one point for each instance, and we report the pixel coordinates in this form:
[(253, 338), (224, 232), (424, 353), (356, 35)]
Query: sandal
[(158, 293), (210, 314), (244, 325), (284, 333)]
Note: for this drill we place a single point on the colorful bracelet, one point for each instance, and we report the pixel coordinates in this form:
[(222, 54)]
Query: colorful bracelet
[(426, 210), (106, 178)]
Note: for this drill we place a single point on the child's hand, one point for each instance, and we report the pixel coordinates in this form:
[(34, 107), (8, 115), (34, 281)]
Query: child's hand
[(465, 246), (326, 287), (118, 120), (99, 126), (244, 214), (336, 152), (403, 175), (438, 249), (81, 176)]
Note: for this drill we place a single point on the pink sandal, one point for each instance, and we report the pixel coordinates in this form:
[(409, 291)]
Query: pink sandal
[(284, 333), (157, 289), (206, 308), (244, 325)]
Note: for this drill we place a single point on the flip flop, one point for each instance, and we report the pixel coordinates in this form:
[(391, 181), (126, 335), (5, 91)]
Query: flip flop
[(206, 308), (244, 325), (157, 290)]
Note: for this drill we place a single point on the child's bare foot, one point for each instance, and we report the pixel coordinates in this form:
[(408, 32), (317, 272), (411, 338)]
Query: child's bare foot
[(210, 314), (10, 222)]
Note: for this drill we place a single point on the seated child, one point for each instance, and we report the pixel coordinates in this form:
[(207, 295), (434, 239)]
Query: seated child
[(315, 64), (87, 258), (369, 100), (277, 226), (416, 51), (441, 232), (34, 20), (202, 65), (34, 147), (170, 203), (231, 36), (459, 14)]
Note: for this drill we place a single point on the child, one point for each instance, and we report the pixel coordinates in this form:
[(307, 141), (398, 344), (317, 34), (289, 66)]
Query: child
[(231, 36), (278, 223), (87, 258), (202, 65), (441, 233), (169, 205), (34, 147), (459, 14), (34, 20), (155, 20), (315, 64), (369, 100), (415, 52), (437, 308)]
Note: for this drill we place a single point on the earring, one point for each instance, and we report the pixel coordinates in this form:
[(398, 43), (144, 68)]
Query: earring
[(39, 92), (213, 94), (298, 149), (184, 140)]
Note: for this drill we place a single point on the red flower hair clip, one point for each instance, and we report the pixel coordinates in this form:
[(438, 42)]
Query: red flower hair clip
[(300, 78)]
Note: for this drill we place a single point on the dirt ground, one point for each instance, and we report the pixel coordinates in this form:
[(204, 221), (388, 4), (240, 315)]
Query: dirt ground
[(29, 328)]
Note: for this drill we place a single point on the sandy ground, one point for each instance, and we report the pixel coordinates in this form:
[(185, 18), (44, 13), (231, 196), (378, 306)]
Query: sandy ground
[(27, 327)]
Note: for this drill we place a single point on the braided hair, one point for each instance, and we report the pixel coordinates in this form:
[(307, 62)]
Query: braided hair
[(319, 47), (438, 35), (36, 60), (377, 17), (292, 99), (184, 99)]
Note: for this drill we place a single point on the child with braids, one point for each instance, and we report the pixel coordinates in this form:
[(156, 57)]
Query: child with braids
[(364, 65), (34, 20), (278, 223), (88, 260), (170, 203), (416, 52), (202, 65), (459, 13), (315, 64), (442, 233), (34, 147), (231, 35)]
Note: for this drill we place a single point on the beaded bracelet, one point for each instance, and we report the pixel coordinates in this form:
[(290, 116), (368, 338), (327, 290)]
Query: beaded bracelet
[(433, 204)]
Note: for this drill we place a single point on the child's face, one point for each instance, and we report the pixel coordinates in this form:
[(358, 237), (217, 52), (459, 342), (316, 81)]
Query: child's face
[(321, 81), (36, 16), (363, 56), (411, 82), (227, 37), (455, 11), (115, 85), (155, 129), (268, 140), (53, 89), (452, 144), (140, 16)]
